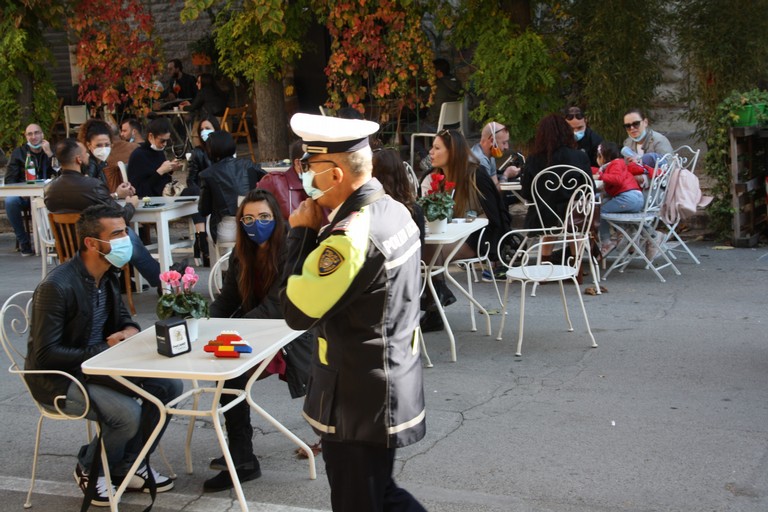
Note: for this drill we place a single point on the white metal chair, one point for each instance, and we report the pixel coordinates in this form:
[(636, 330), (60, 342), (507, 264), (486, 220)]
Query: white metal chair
[(672, 242), (44, 234), (428, 362), (572, 240), (15, 317), (451, 113), (412, 178), (468, 264), (215, 280), (123, 171), (74, 116), (638, 230)]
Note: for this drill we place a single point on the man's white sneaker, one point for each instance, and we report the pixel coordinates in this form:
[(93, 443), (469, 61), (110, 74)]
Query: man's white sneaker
[(102, 493), (139, 481)]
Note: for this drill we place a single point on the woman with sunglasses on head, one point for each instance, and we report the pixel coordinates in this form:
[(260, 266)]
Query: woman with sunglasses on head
[(198, 162), (474, 191), (250, 290), (645, 145)]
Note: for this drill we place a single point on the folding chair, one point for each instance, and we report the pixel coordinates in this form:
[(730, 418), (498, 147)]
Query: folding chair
[(451, 113), (74, 116), (468, 264), (639, 229), (64, 228), (44, 234), (240, 116), (15, 317), (571, 239), (672, 242)]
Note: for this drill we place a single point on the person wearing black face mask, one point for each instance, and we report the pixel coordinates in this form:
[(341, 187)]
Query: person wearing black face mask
[(250, 290)]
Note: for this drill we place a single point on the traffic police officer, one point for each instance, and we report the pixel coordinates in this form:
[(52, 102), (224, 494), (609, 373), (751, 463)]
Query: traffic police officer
[(356, 281)]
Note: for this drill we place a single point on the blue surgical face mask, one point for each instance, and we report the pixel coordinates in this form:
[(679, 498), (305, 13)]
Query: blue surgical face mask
[(120, 252), (204, 134), (579, 135), (640, 137), (34, 146), (259, 232), (306, 181)]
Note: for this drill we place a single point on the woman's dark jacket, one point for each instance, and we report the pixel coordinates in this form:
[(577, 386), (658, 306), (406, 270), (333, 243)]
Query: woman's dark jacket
[(557, 199), (499, 218), (208, 101), (222, 183), (198, 162)]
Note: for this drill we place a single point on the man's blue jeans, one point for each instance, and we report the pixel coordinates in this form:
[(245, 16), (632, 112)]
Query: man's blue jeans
[(13, 207), (121, 418), (143, 260), (630, 201)]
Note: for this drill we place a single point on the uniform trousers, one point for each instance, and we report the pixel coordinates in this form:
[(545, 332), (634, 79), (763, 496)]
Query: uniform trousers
[(360, 476)]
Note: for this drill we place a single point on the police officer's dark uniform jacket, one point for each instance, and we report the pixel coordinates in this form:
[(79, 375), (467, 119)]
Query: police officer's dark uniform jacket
[(358, 284)]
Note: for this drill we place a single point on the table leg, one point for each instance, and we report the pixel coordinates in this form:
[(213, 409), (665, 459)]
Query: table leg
[(163, 244), (225, 450), (433, 270), (279, 426)]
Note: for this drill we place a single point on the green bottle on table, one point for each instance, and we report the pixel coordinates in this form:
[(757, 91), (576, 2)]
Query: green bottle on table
[(30, 170)]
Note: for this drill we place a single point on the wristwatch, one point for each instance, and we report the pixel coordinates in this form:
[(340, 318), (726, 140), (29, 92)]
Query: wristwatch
[(115, 196)]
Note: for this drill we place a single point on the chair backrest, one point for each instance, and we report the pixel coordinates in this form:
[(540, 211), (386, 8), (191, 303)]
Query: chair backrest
[(688, 157), (236, 117), (657, 190), (412, 178), (552, 187), (451, 114), (43, 224), (75, 114), (325, 111), (15, 318), (63, 226), (215, 281), (123, 171)]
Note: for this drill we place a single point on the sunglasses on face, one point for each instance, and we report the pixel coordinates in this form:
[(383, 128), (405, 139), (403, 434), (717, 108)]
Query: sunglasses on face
[(262, 218), (305, 164), (635, 124), (569, 117)]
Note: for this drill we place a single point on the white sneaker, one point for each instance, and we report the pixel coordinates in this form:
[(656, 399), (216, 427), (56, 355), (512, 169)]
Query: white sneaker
[(139, 480), (102, 492)]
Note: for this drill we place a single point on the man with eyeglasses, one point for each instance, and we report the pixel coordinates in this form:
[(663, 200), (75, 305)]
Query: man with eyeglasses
[(148, 169), (587, 139), (356, 282), (645, 145), (38, 151)]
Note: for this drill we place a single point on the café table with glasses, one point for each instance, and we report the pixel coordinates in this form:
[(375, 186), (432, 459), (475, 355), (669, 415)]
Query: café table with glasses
[(137, 356), (159, 210), (457, 233)]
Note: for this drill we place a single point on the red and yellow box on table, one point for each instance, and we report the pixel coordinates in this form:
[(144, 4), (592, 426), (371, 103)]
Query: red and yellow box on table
[(228, 344)]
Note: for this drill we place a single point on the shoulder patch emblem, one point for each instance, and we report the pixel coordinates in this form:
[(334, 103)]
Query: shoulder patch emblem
[(330, 260)]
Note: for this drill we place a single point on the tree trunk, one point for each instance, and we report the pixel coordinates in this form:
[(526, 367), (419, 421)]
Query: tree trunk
[(24, 98), (271, 120)]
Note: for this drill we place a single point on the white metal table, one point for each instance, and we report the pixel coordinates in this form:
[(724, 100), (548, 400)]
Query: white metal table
[(167, 209), (30, 190), (457, 234), (137, 357)]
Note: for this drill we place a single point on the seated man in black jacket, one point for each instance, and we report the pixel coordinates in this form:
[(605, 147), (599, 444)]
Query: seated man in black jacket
[(77, 312), (72, 191)]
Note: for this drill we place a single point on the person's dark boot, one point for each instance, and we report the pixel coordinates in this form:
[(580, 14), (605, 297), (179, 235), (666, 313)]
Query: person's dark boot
[(432, 321), (246, 472), (201, 248)]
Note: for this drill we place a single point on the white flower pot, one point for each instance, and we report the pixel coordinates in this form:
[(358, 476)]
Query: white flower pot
[(437, 226), (193, 328)]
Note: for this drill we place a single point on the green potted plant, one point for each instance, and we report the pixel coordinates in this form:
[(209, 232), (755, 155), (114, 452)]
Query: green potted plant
[(438, 203), (179, 299)]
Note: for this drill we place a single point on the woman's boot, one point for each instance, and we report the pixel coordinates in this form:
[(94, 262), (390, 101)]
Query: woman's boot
[(201, 248)]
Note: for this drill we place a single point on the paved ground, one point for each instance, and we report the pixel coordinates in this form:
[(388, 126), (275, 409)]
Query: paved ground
[(668, 414)]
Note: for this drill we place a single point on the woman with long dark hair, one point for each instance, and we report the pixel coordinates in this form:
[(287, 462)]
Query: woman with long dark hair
[(554, 145), (390, 170), (250, 290), (209, 100)]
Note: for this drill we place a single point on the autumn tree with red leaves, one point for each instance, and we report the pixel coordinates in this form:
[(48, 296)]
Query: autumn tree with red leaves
[(116, 53)]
